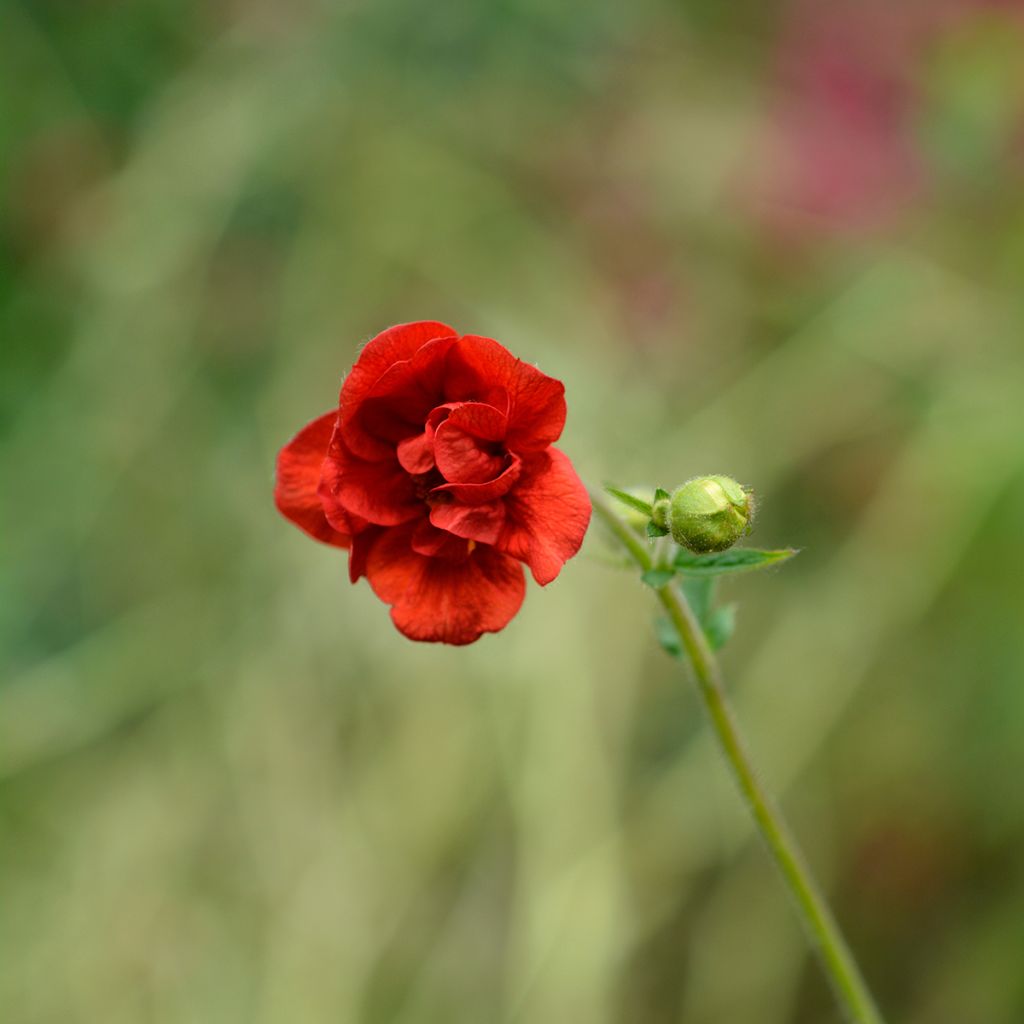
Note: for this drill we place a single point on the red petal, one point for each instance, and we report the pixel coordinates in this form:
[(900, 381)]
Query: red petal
[(476, 418), (478, 494), (362, 542), (442, 599), (396, 401), (299, 466), (416, 454), (439, 415), (546, 515), (427, 539), (379, 492), (466, 445), (482, 370), (386, 349), (482, 523)]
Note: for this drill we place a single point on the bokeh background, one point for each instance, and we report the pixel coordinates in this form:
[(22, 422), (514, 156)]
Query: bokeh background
[(779, 240)]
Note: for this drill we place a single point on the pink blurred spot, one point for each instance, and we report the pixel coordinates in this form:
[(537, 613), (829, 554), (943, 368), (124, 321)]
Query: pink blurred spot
[(839, 151)]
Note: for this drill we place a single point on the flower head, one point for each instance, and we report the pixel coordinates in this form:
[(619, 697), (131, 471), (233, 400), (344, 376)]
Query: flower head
[(437, 472)]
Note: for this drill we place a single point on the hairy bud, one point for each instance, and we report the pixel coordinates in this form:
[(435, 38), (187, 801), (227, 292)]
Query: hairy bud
[(708, 513)]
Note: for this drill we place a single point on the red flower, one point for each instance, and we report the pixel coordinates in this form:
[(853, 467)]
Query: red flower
[(437, 473)]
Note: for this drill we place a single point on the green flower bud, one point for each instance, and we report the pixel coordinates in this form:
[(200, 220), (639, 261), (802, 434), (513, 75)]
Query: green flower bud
[(710, 513)]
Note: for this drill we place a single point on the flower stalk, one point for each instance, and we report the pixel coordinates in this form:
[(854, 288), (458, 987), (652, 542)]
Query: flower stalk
[(819, 923)]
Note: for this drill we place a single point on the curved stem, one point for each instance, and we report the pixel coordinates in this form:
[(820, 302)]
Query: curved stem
[(836, 958)]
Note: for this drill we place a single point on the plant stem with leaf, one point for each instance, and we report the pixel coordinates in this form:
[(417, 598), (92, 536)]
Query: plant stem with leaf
[(819, 922)]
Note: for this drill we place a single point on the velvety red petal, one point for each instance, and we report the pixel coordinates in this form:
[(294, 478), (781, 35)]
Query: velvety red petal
[(546, 515), (467, 445), (482, 523), (427, 539), (362, 542), (478, 419), (416, 454), (478, 494), (299, 465), (396, 404), (386, 349), (379, 492), (444, 600), (482, 370), (437, 416)]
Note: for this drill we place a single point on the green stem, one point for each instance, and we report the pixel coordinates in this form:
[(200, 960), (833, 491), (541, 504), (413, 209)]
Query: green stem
[(836, 958)]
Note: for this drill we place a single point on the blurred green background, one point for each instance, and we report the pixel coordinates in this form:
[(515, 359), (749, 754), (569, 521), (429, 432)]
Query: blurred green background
[(782, 241)]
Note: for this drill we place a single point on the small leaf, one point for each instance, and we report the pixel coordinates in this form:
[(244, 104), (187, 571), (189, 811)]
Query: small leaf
[(654, 530), (700, 593), (657, 578), (628, 499), (720, 626), (668, 637), (661, 494), (733, 560)]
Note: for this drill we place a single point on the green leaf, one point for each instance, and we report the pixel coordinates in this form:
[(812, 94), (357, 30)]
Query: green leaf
[(657, 578), (654, 530), (668, 637), (733, 560), (718, 629), (720, 626), (661, 494), (700, 594), (717, 623), (629, 499)]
